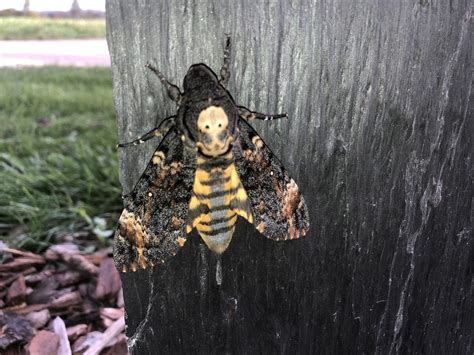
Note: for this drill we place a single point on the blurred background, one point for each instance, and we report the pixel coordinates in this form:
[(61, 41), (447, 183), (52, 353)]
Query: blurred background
[(58, 163), (55, 6), (59, 189), (59, 7)]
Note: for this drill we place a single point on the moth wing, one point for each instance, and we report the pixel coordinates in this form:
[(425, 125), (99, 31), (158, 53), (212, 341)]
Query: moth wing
[(151, 228), (279, 210)]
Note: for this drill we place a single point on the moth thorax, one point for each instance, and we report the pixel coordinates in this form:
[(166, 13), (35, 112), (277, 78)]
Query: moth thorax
[(214, 138)]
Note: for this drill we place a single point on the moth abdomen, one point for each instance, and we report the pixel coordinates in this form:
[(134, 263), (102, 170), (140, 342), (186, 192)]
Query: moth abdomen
[(218, 187)]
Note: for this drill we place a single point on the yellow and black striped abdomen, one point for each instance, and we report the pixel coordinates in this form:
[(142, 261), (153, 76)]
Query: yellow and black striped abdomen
[(218, 198)]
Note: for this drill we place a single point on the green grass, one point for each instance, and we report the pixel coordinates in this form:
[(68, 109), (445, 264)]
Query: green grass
[(24, 28), (58, 163)]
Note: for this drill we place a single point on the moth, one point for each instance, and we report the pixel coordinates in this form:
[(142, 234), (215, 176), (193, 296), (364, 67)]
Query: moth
[(210, 168)]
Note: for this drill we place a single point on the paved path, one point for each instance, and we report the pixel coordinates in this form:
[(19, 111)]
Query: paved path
[(81, 53)]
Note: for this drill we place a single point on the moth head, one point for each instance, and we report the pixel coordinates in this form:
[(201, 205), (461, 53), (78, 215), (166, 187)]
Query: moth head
[(208, 113), (200, 81), (214, 136)]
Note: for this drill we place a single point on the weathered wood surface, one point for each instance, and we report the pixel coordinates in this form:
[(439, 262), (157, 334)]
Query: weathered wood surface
[(379, 139)]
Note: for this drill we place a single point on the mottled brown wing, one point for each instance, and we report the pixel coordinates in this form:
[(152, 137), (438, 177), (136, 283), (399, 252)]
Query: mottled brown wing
[(279, 210), (151, 228)]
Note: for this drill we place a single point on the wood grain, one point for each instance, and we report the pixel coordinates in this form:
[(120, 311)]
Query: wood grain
[(379, 139)]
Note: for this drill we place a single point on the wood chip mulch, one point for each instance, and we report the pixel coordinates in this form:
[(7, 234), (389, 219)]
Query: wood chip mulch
[(62, 302)]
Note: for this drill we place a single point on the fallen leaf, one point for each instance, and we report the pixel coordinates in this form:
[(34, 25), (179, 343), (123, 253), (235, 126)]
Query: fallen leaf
[(17, 292), (60, 329), (20, 263), (76, 331), (38, 319), (14, 328), (112, 313), (70, 254), (109, 335), (44, 343), (66, 300), (108, 283), (119, 348)]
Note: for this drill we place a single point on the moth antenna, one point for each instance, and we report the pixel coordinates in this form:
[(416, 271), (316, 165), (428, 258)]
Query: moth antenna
[(225, 73), (248, 115), (173, 91)]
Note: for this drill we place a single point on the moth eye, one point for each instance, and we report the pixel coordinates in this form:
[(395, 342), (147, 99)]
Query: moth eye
[(207, 126), (220, 125)]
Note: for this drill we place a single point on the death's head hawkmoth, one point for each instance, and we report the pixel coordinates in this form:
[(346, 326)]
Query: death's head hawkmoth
[(210, 167)]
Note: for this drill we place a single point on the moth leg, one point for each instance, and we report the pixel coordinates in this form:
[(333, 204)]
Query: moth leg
[(225, 73), (247, 115), (173, 91), (161, 130)]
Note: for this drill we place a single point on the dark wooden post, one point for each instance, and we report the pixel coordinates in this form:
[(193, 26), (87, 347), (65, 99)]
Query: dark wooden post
[(379, 139)]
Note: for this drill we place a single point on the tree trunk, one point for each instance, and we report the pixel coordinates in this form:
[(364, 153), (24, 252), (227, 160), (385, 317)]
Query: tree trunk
[(26, 8), (75, 8), (379, 139)]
